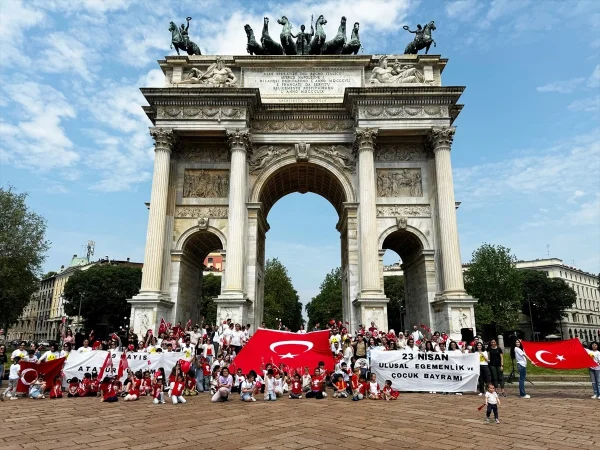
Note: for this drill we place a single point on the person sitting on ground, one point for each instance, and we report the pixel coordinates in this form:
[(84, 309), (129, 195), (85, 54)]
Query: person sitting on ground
[(296, 389), (176, 390), (248, 387), (224, 384)]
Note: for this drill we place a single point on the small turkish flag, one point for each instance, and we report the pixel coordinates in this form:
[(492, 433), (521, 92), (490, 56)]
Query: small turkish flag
[(291, 349), (123, 364), (568, 354)]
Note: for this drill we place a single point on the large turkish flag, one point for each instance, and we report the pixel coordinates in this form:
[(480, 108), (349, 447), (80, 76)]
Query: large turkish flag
[(292, 349), (30, 371), (558, 354)]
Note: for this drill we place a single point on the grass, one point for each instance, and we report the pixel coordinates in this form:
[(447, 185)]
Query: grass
[(534, 370)]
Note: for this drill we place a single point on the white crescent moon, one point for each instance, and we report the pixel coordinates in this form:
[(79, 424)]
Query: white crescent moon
[(23, 375), (539, 354), (307, 344)]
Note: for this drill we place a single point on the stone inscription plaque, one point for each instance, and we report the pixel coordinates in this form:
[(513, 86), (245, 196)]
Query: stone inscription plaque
[(310, 85)]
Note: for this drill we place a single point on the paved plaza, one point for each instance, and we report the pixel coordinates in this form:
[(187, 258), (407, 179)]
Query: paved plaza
[(551, 419)]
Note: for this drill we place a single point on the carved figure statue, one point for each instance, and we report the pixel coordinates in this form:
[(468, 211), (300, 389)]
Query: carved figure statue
[(399, 183), (318, 41), (263, 157), (216, 75), (181, 40), (340, 157), (335, 46), (286, 36), (253, 47), (303, 40), (270, 47), (353, 46), (422, 40), (382, 74)]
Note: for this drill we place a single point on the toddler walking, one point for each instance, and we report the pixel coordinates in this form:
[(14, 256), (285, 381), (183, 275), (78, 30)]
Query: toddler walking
[(492, 402)]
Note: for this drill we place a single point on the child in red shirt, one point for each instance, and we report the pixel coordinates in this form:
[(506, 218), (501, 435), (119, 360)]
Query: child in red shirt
[(146, 387), (110, 390), (73, 389), (388, 393), (206, 372), (296, 389), (355, 384), (363, 388), (133, 392), (157, 391), (56, 390), (317, 386), (94, 385), (84, 386), (176, 390), (190, 384)]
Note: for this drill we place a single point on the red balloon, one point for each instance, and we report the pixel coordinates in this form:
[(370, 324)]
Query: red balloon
[(185, 365)]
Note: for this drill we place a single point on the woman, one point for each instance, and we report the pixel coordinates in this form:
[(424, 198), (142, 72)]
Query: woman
[(496, 366), (392, 345), (410, 346), (348, 351), (454, 350), (3, 360), (51, 354), (595, 371), (66, 351), (401, 342), (69, 338), (484, 369), (522, 365), (429, 347), (224, 384), (237, 336)]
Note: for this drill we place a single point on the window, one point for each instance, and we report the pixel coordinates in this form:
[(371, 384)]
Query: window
[(546, 272), (210, 260)]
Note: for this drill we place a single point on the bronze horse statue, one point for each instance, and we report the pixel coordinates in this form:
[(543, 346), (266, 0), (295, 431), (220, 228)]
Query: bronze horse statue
[(183, 42), (270, 47), (353, 46), (335, 46), (423, 39), (318, 41), (253, 47), (286, 36)]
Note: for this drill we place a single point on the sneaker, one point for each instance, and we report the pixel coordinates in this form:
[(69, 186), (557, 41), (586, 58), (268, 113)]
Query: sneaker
[(289, 396), (497, 421), (594, 396), (487, 420), (434, 392), (253, 399), (480, 394), (526, 396), (299, 396), (459, 393), (14, 398)]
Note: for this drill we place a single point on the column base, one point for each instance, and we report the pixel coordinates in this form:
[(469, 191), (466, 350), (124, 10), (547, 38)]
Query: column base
[(233, 306), (452, 312), (372, 308), (147, 308)]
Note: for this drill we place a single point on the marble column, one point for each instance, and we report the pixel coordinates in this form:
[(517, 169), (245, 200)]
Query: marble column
[(369, 255), (441, 142), (236, 223), (155, 237)]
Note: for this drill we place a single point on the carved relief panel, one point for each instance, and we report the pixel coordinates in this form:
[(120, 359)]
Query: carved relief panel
[(206, 183), (399, 183), (400, 152), (194, 152)]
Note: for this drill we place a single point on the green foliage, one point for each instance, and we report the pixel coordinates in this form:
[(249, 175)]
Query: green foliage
[(495, 282), (394, 290), (281, 299), (549, 298), (328, 302), (211, 288), (103, 291), (22, 252), (48, 275)]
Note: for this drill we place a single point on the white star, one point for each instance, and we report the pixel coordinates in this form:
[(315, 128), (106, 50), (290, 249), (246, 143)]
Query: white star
[(288, 355), (560, 357)]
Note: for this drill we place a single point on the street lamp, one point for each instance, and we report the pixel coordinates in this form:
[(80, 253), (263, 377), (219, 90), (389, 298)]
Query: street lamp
[(531, 318)]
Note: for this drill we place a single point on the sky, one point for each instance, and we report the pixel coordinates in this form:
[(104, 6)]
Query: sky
[(526, 155)]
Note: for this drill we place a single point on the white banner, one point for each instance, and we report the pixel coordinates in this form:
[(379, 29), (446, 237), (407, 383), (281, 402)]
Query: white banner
[(426, 372), (78, 364)]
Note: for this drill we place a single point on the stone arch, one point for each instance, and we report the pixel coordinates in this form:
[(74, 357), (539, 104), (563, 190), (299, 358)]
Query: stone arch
[(409, 228), (327, 176), (187, 234)]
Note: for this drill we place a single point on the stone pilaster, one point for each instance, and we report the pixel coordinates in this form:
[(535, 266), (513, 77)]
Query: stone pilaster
[(369, 257), (155, 237), (440, 140)]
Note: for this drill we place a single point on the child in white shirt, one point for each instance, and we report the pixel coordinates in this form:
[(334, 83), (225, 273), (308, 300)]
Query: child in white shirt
[(13, 379), (492, 401)]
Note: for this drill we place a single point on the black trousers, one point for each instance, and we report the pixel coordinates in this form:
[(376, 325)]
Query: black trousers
[(497, 376), (491, 408), (484, 378), (314, 394)]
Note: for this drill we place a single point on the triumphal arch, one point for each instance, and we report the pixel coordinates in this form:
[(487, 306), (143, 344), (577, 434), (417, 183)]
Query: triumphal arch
[(371, 134)]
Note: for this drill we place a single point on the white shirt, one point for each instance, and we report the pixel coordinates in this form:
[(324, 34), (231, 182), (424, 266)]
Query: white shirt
[(188, 352), (236, 338), (84, 349), (13, 374), (483, 358), (19, 353), (194, 337), (596, 357), (227, 334), (520, 357), (49, 356), (248, 385), (417, 335), (301, 331), (491, 398), (413, 349)]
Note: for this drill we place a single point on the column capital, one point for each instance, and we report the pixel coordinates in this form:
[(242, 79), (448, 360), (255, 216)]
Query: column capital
[(163, 138), (238, 139), (365, 139), (441, 138)]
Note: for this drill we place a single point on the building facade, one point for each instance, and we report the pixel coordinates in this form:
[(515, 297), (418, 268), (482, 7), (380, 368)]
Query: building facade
[(583, 318)]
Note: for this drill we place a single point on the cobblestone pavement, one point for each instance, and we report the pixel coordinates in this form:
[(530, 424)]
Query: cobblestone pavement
[(551, 419)]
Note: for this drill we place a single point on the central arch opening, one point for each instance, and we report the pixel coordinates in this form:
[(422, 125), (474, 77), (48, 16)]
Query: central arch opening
[(302, 233)]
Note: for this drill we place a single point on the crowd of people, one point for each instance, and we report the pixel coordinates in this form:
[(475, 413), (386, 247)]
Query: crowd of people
[(207, 364)]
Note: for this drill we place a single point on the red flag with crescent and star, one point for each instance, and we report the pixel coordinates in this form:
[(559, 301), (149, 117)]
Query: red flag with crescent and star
[(291, 349), (30, 371), (568, 354)]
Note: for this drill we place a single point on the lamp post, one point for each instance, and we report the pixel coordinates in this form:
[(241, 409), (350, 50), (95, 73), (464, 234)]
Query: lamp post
[(531, 318)]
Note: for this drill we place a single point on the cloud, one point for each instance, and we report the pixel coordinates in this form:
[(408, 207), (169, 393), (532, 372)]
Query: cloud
[(588, 213), (16, 19), (67, 55), (37, 139), (594, 79), (562, 87), (463, 10), (591, 104)]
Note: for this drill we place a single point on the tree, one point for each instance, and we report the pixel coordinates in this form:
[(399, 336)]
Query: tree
[(281, 299), (327, 304), (495, 282), (48, 275), (103, 291), (211, 288), (548, 297), (22, 253), (394, 290)]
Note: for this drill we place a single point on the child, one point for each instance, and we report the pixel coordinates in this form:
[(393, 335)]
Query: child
[(363, 388), (354, 385), (269, 385), (36, 388), (146, 387), (296, 387), (133, 388), (316, 386), (190, 384), (306, 380), (157, 391), (84, 387), (111, 389), (73, 389), (237, 383), (56, 390), (248, 387), (94, 385), (388, 393), (214, 380), (278, 384), (374, 391), (176, 390), (205, 374), (13, 379), (339, 388), (492, 401)]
